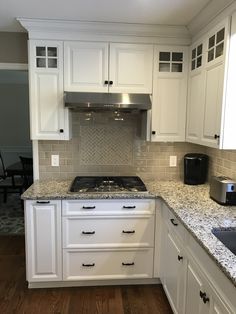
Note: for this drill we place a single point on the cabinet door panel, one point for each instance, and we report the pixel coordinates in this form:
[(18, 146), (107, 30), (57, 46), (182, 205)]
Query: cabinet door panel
[(194, 303), (86, 66), (48, 114), (43, 234), (169, 94), (213, 104), (131, 68), (195, 102), (47, 102)]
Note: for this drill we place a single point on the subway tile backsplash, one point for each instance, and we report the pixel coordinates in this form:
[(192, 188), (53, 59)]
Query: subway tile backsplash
[(102, 145)]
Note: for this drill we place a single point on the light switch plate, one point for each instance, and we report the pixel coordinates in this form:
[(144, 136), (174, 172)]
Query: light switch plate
[(173, 161), (55, 160)]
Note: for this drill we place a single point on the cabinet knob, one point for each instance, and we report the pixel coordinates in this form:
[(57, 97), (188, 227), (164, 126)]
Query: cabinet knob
[(180, 258), (153, 132), (110, 82), (89, 207), (173, 222), (203, 296), (43, 202), (216, 136), (128, 231), (61, 131), (129, 207), (106, 82)]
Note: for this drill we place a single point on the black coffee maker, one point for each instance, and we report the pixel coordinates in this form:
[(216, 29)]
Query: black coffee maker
[(195, 168)]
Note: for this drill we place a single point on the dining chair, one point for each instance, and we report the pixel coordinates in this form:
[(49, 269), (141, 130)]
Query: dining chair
[(9, 184), (27, 165)]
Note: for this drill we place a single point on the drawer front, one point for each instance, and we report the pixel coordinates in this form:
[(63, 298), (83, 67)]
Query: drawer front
[(107, 264), (173, 223), (107, 232), (104, 207)]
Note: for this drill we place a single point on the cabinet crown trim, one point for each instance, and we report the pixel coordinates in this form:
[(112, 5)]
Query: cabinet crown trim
[(63, 29)]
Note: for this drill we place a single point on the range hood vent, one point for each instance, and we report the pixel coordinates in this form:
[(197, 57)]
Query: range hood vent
[(107, 101)]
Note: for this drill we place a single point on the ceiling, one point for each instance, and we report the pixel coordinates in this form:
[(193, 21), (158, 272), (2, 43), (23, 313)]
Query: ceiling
[(169, 12)]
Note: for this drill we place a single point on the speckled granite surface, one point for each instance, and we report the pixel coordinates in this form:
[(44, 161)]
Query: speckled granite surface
[(191, 204)]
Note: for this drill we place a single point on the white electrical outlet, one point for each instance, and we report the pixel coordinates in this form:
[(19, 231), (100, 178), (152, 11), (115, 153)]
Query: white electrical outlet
[(55, 160), (173, 161)]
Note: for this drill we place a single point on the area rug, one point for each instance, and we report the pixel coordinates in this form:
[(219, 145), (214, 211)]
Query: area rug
[(11, 215)]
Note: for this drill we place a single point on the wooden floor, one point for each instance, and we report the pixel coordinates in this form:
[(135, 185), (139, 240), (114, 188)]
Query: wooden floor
[(15, 297)]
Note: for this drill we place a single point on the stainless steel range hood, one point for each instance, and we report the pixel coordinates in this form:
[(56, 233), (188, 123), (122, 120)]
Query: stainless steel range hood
[(107, 101)]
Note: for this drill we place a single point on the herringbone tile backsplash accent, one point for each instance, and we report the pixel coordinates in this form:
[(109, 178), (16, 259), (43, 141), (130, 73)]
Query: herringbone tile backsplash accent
[(106, 145)]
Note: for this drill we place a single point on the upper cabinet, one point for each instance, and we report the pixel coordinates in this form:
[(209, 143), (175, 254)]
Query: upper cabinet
[(102, 67), (207, 91), (49, 119), (169, 93)]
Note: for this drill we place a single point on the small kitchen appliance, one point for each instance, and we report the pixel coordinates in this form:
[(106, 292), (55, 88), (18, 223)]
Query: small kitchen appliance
[(223, 190), (100, 184), (195, 168)]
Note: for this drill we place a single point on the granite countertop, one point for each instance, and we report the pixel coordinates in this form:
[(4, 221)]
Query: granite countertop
[(191, 204)]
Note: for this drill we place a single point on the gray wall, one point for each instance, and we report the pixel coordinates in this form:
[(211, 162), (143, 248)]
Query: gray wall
[(13, 47), (14, 115)]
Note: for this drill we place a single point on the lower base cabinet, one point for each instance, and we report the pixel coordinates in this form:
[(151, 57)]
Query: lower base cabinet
[(184, 273), (74, 240), (43, 241)]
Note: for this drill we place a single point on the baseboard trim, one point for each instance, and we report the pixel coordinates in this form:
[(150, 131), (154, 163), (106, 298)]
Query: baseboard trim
[(87, 283)]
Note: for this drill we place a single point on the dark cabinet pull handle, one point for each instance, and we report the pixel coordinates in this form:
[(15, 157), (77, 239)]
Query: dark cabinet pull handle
[(206, 299), (43, 202), (216, 136), (61, 131), (89, 207), (128, 231), (180, 258), (203, 296), (88, 232), (106, 82), (88, 265), (128, 264), (110, 82), (153, 132), (129, 207), (173, 222)]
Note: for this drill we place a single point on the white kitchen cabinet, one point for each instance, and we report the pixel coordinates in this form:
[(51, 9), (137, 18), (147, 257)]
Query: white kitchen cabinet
[(49, 119), (173, 265), (108, 239), (169, 93), (103, 67), (189, 277), (207, 92), (196, 94), (43, 240), (200, 297)]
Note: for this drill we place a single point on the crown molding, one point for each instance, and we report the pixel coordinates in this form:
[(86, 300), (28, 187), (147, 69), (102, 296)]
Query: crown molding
[(78, 30), (211, 15)]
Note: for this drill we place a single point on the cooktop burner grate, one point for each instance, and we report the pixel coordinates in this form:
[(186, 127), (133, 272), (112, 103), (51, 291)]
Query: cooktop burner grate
[(117, 184)]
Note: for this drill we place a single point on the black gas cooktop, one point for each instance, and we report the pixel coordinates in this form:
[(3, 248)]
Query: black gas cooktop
[(117, 184)]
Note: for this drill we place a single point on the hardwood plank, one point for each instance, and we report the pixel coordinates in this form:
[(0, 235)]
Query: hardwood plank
[(16, 298)]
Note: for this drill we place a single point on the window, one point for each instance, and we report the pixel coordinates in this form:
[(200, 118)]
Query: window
[(197, 57), (170, 61), (46, 57), (216, 45)]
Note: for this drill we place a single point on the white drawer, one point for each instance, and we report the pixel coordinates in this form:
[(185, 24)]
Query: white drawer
[(174, 224), (108, 232), (106, 207), (107, 264)]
